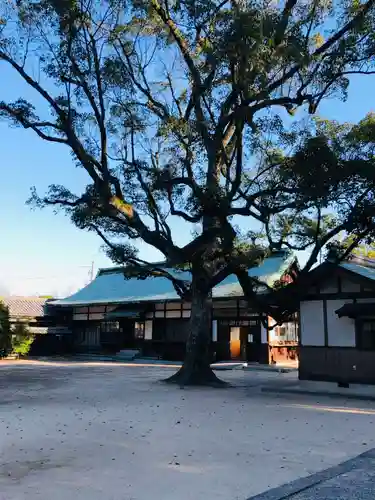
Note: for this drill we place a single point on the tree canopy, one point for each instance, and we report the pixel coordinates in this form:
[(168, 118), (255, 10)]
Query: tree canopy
[(191, 110)]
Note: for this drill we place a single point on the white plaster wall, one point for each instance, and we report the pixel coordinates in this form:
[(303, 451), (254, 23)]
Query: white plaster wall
[(148, 330), (80, 310), (79, 317), (97, 309), (350, 286), (173, 314), (264, 333), (214, 330), (271, 333), (312, 323), (173, 306), (96, 316), (341, 331)]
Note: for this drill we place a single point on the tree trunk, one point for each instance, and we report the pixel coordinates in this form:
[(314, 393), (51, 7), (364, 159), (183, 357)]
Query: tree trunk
[(196, 368)]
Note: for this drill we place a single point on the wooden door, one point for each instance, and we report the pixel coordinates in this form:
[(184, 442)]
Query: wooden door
[(253, 346), (235, 343)]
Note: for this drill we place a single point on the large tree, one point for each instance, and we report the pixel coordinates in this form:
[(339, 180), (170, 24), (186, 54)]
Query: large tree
[(176, 109)]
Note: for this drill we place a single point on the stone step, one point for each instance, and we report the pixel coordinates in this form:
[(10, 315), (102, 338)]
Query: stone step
[(128, 354)]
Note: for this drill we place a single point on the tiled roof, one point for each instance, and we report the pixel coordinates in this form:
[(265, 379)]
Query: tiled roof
[(365, 271), (29, 307), (109, 286)]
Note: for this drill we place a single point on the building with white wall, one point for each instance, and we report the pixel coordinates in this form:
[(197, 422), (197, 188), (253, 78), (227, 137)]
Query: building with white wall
[(113, 313), (337, 323)]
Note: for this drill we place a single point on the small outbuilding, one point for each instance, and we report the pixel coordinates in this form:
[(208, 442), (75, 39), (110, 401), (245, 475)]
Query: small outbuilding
[(337, 323), (48, 325)]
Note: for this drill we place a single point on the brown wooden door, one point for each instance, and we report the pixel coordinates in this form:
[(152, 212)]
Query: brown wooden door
[(235, 343)]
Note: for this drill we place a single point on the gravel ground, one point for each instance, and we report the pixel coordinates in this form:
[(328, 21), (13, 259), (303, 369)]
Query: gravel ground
[(114, 432)]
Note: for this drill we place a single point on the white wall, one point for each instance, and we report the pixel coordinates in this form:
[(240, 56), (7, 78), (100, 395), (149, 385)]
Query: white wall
[(173, 314), (271, 334), (312, 323), (341, 331), (264, 333), (214, 330), (148, 330)]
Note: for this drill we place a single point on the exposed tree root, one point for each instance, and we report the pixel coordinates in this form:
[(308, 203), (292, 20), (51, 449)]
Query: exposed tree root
[(198, 377)]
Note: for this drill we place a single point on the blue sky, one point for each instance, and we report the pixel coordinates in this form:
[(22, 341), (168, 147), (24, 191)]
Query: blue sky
[(43, 253)]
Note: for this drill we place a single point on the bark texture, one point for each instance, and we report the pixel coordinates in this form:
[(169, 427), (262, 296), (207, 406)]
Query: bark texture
[(196, 368)]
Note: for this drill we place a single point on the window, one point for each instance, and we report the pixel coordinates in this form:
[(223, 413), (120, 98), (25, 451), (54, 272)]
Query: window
[(110, 326), (287, 331), (139, 331), (281, 330), (239, 322), (366, 334)]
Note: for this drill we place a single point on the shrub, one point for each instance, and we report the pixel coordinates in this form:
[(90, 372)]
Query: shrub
[(22, 340)]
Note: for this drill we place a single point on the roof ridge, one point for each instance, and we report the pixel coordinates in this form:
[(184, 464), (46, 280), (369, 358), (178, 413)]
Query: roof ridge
[(24, 297), (112, 288), (108, 270), (286, 252)]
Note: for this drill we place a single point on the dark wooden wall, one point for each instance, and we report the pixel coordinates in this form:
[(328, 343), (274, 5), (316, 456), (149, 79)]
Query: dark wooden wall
[(337, 364)]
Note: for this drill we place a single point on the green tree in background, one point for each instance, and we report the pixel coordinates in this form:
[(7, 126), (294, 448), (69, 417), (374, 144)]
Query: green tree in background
[(22, 340), (181, 110), (5, 333)]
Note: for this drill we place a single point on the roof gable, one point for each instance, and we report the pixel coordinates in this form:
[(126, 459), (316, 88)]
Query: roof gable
[(321, 275)]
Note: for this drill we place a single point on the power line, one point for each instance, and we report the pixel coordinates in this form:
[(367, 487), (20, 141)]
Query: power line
[(49, 276)]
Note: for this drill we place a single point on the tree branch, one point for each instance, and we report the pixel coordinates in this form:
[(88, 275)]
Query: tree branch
[(283, 24)]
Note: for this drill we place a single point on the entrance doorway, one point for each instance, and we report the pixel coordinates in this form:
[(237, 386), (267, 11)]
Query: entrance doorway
[(239, 340), (245, 343), (235, 342)]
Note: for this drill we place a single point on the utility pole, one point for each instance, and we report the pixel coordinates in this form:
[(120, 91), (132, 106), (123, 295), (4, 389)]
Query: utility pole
[(91, 274)]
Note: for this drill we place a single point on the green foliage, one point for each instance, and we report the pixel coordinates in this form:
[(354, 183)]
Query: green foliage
[(14, 339), (365, 251), (22, 340), (5, 333), (365, 248)]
